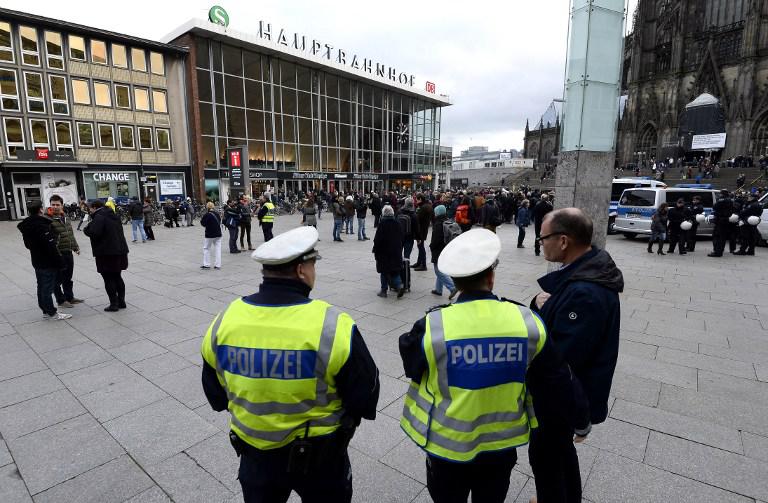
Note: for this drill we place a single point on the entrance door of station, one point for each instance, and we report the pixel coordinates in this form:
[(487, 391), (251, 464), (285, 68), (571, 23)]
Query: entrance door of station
[(150, 191), (26, 194)]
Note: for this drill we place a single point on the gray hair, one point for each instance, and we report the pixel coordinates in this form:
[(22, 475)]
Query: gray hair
[(387, 211), (409, 202)]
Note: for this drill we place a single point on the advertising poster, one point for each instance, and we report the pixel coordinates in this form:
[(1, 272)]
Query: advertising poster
[(62, 184), (171, 187)]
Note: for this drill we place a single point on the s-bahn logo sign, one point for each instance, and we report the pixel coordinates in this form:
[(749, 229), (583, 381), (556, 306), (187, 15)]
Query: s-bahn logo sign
[(218, 15)]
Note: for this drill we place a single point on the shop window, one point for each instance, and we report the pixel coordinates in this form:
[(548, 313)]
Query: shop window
[(157, 63), (141, 98), (145, 138), (30, 51), (58, 88), (138, 60), (39, 131), (159, 103), (54, 50), (81, 93), (14, 136), (63, 135), (9, 92), (101, 94), (85, 134), (126, 137), (35, 98), (76, 48), (6, 42), (163, 137), (106, 136), (122, 96), (98, 52), (119, 56)]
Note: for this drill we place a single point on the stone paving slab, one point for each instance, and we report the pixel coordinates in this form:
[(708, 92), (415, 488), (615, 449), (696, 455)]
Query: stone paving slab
[(116, 396)]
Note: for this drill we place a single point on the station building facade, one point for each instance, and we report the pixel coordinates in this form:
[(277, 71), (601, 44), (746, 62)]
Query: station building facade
[(311, 116), (87, 112)]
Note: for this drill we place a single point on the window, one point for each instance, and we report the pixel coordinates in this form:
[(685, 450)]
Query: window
[(85, 134), (58, 89), (138, 60), (54, 50), (159, 102), (163, 139), (63, 135), (39, 130), (156, 63), (35, 97), (119, 56), (98, 52), (6, 42), (76, 48), (14, 136), (638, 198), (80, 92), (9, 92), (101, 94), (122, 96), (145, 138), (106, 136), (126, 137), (30, 53), (141, 98)]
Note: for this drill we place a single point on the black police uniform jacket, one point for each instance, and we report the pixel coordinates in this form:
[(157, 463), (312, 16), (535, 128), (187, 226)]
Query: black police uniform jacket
[(582, 317)]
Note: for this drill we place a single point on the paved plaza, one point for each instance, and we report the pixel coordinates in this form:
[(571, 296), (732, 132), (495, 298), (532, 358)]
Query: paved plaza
[(108, 407)]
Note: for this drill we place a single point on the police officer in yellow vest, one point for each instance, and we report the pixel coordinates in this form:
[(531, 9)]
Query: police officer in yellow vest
[(266, 216), (475, 366), (296, 377)]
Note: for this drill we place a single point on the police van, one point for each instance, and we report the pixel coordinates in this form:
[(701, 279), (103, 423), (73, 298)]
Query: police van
[(618, 186), (762, 227), (637, 206)]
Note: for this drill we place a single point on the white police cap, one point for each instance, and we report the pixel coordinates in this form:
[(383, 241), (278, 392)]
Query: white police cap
[(470, 253), (298, 243)]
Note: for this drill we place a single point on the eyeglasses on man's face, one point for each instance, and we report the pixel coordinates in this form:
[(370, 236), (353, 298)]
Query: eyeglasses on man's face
[(541, 239)]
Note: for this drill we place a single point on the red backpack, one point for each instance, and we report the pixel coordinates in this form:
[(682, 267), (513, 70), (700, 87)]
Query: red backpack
[(462, 215)]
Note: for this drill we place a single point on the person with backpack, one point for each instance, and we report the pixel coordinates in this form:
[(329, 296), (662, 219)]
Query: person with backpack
[(463, 214), (406, 217), (443, 231)]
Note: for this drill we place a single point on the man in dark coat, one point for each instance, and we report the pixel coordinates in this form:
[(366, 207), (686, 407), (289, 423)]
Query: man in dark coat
[(376, 209), (388, 251), (677, 236), (41, 240), (749, 233), (695, 208), (110, 251), (580, 308), (424, 217), (539, 212)]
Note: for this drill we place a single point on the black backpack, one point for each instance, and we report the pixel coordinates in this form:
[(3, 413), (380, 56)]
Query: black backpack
[(405, 224)]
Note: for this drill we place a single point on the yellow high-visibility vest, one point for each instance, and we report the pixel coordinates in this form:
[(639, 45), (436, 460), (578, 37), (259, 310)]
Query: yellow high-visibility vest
[(278, 366), (270, 215), (473, 398)]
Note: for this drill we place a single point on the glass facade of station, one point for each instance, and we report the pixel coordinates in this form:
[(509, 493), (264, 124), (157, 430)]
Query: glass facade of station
[(296, 118)]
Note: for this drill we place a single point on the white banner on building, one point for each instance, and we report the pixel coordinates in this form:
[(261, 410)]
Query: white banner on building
[(522, 163), (62, 184), (708, 141), (171, 187)]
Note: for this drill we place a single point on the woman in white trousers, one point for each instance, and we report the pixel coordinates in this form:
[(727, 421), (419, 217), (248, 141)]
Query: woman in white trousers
[(211, 222)]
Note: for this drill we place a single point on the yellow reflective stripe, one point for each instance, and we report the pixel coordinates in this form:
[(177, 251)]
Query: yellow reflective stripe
[(439, 350), (533, 332), (438, 415), (322, 397), (467, 445), (277, 436)]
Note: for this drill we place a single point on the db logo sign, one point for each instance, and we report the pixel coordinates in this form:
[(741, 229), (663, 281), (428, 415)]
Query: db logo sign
[(431, 87), (41, 154), (234, 159)]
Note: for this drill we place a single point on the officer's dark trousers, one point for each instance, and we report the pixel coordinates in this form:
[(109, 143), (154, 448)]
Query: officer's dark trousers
[(555, 464), (733, 236), (719, 236), (749, 237), (692, 237), (264, 478), (266, 228), (487, 478), (676, 238)]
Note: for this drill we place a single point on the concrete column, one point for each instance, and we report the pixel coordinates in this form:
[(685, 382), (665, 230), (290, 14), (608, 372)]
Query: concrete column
[(583, 180)]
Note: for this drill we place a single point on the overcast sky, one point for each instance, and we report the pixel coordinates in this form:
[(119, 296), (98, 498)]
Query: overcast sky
[(500, 61)]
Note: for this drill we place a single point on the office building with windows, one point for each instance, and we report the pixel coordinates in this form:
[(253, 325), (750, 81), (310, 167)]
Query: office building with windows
[(311, 115), (88, 112)]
